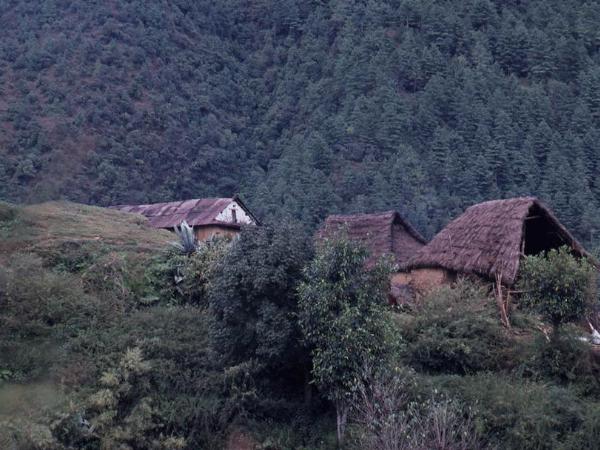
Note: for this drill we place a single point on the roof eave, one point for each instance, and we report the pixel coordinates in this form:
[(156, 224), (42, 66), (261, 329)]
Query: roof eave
[(239, 201)]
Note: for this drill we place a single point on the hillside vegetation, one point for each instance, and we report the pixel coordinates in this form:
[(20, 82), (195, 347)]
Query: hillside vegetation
[(305, 107), (109, 338), (77, 301)]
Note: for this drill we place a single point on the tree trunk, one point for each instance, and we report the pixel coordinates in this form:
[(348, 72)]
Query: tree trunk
[(341, 411), (307, 388)]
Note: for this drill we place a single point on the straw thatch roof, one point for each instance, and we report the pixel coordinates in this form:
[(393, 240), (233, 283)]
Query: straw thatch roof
[(196, 212), (385, 233), (491, 237)]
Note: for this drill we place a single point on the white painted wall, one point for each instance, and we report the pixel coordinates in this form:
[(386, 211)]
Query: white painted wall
[(241, 217)]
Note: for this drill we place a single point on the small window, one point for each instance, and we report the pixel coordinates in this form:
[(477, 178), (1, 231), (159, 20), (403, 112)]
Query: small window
[(234, 214)]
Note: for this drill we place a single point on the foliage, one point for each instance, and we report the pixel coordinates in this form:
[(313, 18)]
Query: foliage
[(178, 278), (121, 413), (456, 330), (40, 309), (558, 285), (188, 242), (253, 305), (7, 212), (306, 430), (72, 297), (518, 414), (189, 394), (565, 360), (74, 289), (387, 420), (27, 435), (306, 108), (343, 319)]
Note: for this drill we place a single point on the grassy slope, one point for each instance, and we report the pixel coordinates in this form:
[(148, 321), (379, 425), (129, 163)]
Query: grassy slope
[(47, 227), (71, 278)]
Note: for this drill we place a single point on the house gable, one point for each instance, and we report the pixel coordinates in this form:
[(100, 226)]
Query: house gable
[(234, 213)]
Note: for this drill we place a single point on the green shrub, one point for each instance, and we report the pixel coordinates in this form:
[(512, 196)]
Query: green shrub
[(114, 275), (518, 414), (558, 285), (40, 310), (565, 360), (190, 393), (117, 278), (456, 330), (73, 256), (178, 278), (586, 435), (254, 303), (306, 430), (120, 413)]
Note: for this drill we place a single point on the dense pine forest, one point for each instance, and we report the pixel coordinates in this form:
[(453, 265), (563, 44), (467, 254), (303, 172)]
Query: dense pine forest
[(304, 107)]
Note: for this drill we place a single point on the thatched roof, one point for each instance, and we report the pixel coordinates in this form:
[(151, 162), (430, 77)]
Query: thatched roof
[(489, 238), (385, 233), (196, 212)]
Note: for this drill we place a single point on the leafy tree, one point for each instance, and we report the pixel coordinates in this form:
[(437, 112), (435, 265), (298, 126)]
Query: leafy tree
[(343, 320), (558, 285), (254, 303)]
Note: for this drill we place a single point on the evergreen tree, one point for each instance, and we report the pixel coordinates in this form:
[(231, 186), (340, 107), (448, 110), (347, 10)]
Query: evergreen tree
[(290, 101), (540, 56), (539, 143), (513, 46)]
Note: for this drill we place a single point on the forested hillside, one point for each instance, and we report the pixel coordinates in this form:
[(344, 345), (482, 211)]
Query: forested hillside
[(304, 107)]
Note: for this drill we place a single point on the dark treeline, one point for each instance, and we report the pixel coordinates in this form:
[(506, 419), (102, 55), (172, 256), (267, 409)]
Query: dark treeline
[(305, 107)]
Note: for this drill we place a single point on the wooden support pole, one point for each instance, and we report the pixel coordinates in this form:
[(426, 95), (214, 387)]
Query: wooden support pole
[(502, 302)]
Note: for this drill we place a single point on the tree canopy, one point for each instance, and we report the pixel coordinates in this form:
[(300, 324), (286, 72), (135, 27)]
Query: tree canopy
[(343, 320), (304, 107)]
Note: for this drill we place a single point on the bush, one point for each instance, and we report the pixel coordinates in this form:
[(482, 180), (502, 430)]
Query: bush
[(8, 212), (179, 278), (517, 414), (39, 310), (386, 419), (115, 276), (306, 430), (586, 435), (119, 414), (254, 304), (456, 330), (565, 360), (190, 393), (558, 285)]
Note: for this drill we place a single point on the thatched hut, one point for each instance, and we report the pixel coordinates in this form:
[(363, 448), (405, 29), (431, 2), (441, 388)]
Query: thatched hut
[(488, 240), (385, 233)]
